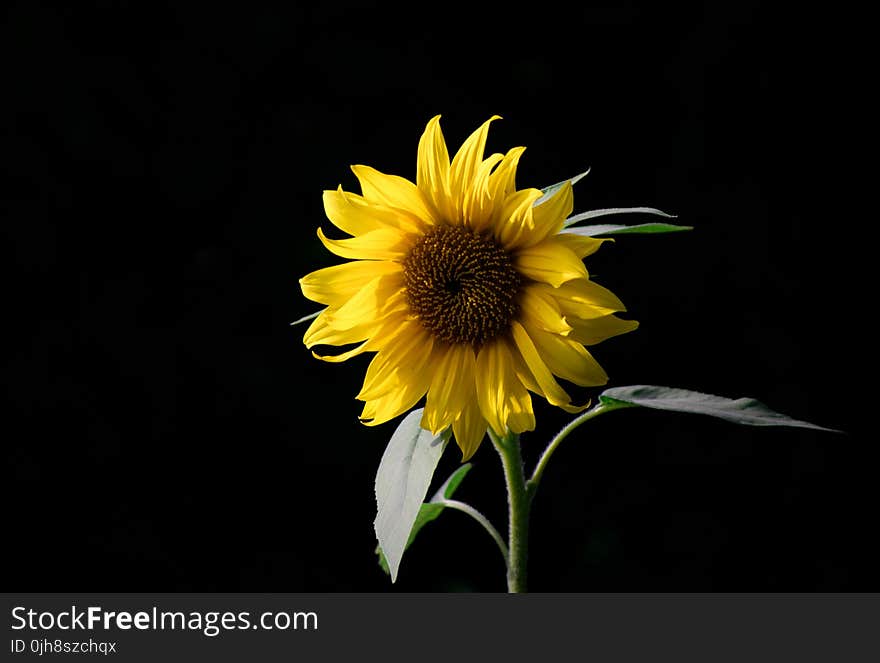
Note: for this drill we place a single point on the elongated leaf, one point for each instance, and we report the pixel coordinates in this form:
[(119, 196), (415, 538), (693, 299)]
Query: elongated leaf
[(427, 513), (553, 188), (745, 411), (431, 510), (611, 229), (402, 481), (596, 213), (306, 318)]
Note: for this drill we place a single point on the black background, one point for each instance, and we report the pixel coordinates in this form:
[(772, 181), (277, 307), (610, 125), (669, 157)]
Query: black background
[(169, 432)]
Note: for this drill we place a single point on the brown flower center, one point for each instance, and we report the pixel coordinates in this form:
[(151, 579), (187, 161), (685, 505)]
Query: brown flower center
[(461, 285)]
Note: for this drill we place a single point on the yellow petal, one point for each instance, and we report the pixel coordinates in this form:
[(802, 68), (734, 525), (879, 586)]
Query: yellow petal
[(329, 336), (502, 397), (580, 245), (469, 428), (346, 216), (521, 417), (378, 333), (367, 303), (567, 359), (323, 332), (540, 309), (465, 164), (549, 216), (523, 374), (585, 299), (451, 385), (590, 332), (492, 377), (356, 215), (404, 355), (502, 182), (396, 401), (320, 333), (343, 356), (317, 325), (337, 284), (432, 172), (546, 383), (549, 262), (515, 221), (383, 244), (478, 204), (393, 191)]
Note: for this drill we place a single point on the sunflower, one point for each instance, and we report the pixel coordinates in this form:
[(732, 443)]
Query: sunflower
[(468, 290)]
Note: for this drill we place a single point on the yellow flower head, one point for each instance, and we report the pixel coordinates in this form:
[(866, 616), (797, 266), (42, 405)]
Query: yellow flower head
[(467, 290)]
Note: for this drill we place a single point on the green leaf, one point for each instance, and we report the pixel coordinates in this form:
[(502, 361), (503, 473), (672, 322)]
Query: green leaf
[(306, 318), (430, 511), (451, 484), (427, 513), (612, 229), (596, 213), (553, 188), (746, 411), (402, 481)]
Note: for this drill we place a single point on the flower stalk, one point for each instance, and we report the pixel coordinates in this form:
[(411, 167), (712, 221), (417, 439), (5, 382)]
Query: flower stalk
[(520, 502), (521, 492)]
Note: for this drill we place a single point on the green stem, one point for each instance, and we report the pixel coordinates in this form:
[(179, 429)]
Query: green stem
[(520, 492), (532, 484), (519, 501), (480, 518)]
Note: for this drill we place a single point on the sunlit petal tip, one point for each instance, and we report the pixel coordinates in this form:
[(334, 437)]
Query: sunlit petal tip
[(465, 167), (503, 179), (591, 332), (550, 262), (469, 430), (540, 309), (575, 409), (333, 359), (521, 422), (380, 244), (376, 413), (432, 425), (467, 455)]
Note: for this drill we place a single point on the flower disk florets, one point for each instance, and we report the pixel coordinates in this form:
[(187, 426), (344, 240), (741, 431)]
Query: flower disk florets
[(461, 285)]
